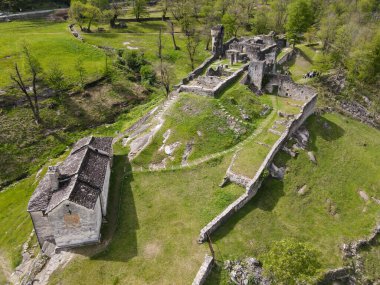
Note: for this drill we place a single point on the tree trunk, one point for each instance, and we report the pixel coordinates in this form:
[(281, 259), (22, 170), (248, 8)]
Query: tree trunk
[(172, 34), (89, 24)]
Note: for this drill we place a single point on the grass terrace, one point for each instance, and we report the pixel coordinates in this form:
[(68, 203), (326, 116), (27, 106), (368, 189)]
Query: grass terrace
[(253, 153), (329, 213), (225, 61)]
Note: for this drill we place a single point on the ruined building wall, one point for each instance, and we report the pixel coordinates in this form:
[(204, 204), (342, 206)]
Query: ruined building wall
[(80, 227), (256, 72)]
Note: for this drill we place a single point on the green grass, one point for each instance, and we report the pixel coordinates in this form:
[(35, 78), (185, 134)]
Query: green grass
[(347, 154), (155, 242), (51, 43), (144, 36), (371, 260), (251, 156), (239, 97), (25, 147), (190, 114)]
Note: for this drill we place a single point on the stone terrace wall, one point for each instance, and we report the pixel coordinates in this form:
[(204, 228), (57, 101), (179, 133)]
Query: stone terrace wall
[(287, 57), (198, 71), (254, 185), (204, 271), (199, 90)]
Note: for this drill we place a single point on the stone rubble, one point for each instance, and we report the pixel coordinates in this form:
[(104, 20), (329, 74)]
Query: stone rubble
[(246, 271)]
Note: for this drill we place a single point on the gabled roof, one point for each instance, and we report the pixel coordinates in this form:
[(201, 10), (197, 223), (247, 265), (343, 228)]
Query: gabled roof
[(81, 176)]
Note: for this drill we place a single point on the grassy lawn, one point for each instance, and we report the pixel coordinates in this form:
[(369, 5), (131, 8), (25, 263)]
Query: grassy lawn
[(51, 43), (250, 157), (193, 118), (155, 242), (371, 260), (143, 37), (347, 154)]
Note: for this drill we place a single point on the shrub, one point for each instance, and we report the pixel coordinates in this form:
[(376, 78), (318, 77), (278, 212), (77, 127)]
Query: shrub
[(291, 262), (147, 74), (134, 60)]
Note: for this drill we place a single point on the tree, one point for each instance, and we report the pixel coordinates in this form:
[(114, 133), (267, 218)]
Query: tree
[(34, 69), (88, 11), (231, 26), (56, 79), (192, 43), (261, 22), (171, 27), (165, 77), (79, 67), (291, 262), (327, 30), (300, 18), (116, 11), (278, 8), (139, 8)]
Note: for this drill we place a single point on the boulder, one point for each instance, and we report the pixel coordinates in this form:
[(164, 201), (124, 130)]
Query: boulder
[(312, 157)]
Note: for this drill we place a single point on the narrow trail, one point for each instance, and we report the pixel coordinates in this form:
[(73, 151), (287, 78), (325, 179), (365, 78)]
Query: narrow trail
[(5, 267), (267, 121)]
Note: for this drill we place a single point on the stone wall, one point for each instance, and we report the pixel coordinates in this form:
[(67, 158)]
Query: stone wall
[(78, 227), (30, 15), (253, 186), (199, 90), (204, 271), (198, 71), (41, 226), (286, 57), (104, 194)]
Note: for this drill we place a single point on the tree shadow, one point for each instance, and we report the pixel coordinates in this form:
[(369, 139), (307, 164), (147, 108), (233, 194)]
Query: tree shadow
[(321, 127), (119, 240), (266, 199)]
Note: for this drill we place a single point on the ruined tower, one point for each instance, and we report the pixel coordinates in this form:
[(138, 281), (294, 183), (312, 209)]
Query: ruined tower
[(217, 35)]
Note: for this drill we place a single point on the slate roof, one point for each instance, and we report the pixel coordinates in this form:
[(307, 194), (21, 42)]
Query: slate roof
[(81, 176)]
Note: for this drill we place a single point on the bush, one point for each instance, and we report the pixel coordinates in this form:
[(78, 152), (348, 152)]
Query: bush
[(291, 262), (147, 74), (134, 60)]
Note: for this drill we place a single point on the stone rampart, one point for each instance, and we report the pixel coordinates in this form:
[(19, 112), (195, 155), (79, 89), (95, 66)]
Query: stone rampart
[(204, 271), (253, 185)]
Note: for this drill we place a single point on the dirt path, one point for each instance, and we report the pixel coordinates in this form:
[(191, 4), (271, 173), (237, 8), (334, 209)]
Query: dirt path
[(5, 267)]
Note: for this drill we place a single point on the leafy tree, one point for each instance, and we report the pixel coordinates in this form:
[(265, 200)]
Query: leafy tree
[(88, 11), (261, 22), (279, 12), (116, 11), (327, 30), (290, 262), (300, 18), (231, 25), (139, 8), (56, 79), (34, 70), (134, 60)]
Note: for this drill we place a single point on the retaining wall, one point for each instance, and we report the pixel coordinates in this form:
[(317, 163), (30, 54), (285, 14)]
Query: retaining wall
[(287, 57), (198, 71), (254, 184), (204, 271)]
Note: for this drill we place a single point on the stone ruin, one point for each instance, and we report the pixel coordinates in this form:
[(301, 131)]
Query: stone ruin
[(217, 37)]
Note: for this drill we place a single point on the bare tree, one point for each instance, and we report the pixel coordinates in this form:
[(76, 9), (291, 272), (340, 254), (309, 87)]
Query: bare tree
[(35, 69), (165, 78), (171, 26), (192, 43)]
